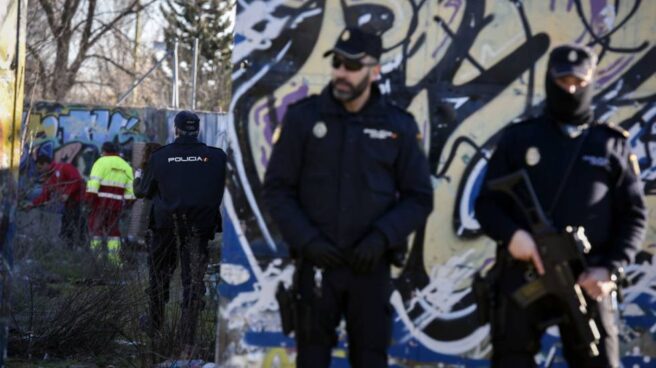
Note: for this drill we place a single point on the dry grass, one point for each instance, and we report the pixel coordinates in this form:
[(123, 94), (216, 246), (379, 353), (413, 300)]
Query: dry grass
[(67, 306)]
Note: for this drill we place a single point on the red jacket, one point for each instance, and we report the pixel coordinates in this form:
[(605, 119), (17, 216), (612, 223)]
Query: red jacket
[(64, 179)]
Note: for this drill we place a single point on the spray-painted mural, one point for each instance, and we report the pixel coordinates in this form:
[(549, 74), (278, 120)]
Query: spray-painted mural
[(465, 69), (74, 133), (12, 72)]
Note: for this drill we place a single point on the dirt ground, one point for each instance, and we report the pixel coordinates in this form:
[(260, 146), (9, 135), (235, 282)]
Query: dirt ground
[(71, 309)]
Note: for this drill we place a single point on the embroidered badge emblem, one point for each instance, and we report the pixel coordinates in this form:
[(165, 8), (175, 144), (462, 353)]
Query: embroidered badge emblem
[(346, 35), (320, 129), (532, 156)]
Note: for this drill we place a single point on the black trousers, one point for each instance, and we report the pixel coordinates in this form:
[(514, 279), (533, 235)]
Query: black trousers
[(191, 244), (516, 332), (72, 228), (363, 300)]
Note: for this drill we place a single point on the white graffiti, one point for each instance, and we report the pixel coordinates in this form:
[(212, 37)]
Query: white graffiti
[(642, 280), (89, 125), (436, 301), (233, 142), (470, 344), (260, 13), (256, 309)]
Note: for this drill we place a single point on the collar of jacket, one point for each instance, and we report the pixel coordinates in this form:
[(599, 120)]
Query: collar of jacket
[(330, 106), (185, 139)]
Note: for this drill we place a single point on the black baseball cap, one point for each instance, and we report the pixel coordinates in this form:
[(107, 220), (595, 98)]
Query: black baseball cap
[(187, 121), (354, 43), (575, 60)]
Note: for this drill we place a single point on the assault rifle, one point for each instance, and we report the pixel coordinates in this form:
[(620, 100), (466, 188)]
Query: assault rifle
[(562, 254)]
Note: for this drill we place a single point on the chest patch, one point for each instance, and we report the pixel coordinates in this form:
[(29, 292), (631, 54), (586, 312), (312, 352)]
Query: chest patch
[(379, 133), (596, 161), (320, 129), (532, 156)]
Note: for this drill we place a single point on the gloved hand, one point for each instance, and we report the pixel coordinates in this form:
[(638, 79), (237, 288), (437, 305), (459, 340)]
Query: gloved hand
[(323, 254), (369, 252)]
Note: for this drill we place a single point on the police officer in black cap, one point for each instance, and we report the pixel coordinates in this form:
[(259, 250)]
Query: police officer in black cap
[(185, 180), (347, 182), (584, 174)]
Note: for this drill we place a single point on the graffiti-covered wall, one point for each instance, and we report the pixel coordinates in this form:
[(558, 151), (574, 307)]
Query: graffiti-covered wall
[(465, 69), (74, 133), (12, 72)]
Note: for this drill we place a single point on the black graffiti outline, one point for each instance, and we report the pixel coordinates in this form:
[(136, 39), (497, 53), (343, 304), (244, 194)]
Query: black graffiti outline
[(455, 57)]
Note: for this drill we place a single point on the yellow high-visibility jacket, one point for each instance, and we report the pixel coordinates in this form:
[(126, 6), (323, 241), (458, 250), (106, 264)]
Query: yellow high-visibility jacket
[(110, 183)]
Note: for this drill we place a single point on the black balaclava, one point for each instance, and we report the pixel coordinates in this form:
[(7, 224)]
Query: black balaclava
[(565, 107)]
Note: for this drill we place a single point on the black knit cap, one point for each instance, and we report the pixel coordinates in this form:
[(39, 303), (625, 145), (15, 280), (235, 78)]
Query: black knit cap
[(354, 43), (187, 121), (109, 147)]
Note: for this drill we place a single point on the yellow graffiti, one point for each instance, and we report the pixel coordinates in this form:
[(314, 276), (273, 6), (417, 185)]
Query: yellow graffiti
[(12, 70), (281, 358), (277, 358)]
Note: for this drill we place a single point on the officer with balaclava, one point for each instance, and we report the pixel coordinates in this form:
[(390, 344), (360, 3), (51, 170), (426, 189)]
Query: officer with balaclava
[(584, 175)]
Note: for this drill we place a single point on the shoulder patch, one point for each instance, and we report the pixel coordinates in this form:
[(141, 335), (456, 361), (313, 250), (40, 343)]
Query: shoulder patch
[(615, 129), (276, 134), (522, 123), (516, 127), (303, 101), (217, 149), (160, 148), (635, 165), (400, 109)]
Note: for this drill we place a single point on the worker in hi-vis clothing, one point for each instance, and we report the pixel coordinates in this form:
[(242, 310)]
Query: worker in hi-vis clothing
[(109, 189)]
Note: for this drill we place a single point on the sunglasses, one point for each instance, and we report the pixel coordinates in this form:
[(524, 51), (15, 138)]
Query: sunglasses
[(349, 64)]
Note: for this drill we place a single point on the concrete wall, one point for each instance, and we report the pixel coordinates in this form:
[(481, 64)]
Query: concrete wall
[(74, 133), (465, 75), (12, 71)]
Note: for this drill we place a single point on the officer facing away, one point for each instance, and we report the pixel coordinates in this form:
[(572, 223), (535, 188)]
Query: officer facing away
[(346, 184), (584, 174), (185, 180)]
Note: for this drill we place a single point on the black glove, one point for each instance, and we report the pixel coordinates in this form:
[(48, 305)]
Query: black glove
[(396, 256), (369, 252), (323, 254)]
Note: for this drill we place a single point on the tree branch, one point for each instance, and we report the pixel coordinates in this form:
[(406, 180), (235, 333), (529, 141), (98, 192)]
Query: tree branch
[(50, 15), (90, 40), (95, 83), (70, 8), (35, 54), (125, 12), (117, 65), (86, 33)]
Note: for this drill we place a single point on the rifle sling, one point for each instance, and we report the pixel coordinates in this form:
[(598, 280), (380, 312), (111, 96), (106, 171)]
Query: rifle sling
[(568, 173)]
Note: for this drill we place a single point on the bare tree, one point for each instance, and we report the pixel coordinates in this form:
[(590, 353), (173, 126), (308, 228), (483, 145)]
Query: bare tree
[(210, 22), (65, 35)]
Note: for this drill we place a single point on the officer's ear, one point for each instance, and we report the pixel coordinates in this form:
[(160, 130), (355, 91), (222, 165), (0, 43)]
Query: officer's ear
[(374, 71)]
